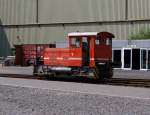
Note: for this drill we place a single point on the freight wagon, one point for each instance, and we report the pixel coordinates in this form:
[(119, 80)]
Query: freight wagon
[(26, 54)]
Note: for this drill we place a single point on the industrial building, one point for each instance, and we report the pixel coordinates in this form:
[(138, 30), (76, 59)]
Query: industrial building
[(131, 54), (48, 21)]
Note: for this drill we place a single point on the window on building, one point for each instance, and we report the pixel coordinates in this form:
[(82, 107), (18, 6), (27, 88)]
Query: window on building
[(117, 58)]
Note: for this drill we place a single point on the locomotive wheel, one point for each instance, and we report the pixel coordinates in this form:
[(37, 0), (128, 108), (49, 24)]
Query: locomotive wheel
[(96, 73), (104, 72), (49, 76), (109, 71)]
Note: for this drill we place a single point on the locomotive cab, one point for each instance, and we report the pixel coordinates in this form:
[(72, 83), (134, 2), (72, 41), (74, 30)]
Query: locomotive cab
[(96, 51), (82, 42)]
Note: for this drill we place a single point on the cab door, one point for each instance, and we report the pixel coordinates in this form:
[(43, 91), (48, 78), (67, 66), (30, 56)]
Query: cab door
[(85, 51)]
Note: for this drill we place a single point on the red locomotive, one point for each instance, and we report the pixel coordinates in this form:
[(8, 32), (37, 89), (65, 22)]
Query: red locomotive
[(88, 54)]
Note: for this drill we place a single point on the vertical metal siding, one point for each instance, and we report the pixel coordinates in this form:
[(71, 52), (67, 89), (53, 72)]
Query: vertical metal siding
[(136, 27), (68, 11), (28, 35), (17, 11), (64, 11), (139, 9), (50, 34), (120, 30)]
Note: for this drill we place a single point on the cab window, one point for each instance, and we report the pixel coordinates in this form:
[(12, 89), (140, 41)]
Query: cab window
[(75, 42), (97, 41), (108, 41)]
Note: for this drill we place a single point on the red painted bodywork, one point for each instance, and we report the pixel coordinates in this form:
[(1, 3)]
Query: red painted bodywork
[(72, 56), (63, 56), (92, 53), (103, 52)]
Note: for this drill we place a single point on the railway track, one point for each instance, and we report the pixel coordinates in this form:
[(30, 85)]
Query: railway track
[(113, 81), (21, 76), (128, 82)]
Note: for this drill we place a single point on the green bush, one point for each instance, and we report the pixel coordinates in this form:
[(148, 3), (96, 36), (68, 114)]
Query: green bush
[(142, 34)]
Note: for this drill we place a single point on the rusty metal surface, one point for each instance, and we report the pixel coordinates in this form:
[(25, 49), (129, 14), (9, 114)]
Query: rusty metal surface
[(27, 53)]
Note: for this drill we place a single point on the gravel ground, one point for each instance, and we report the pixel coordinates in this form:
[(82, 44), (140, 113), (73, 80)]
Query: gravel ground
[(34, 101), (59, 98)]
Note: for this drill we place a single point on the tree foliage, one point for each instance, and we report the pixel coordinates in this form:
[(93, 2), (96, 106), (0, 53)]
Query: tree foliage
[(142, 34)]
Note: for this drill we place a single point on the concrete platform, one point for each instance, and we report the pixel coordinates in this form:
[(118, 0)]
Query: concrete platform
[(35, 97), (16, 70), (131, 74)]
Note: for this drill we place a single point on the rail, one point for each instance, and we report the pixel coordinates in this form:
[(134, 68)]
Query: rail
[(114, 81)]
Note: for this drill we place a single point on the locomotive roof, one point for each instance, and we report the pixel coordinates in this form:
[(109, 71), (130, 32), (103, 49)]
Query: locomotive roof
[(106, 34), (82, 33)]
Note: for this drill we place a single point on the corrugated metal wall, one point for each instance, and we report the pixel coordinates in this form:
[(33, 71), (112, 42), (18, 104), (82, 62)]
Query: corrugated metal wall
[(138, 9), (26, 21), (70, 11), (17, 12), (58, 33), (51, 34), (14, 12)]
